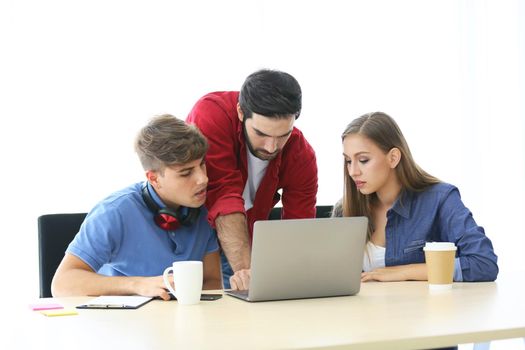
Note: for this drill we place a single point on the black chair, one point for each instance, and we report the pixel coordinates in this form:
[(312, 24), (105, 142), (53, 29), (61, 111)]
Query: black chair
[(55, 232), (323, 211)]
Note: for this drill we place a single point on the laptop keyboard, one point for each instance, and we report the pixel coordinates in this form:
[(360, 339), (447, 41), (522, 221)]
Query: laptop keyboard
[(241, 292)]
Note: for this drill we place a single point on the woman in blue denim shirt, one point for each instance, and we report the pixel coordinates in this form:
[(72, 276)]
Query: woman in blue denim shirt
[(406, 207)]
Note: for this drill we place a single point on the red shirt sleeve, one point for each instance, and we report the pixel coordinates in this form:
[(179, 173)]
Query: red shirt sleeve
[(299, 181), (216, 116)]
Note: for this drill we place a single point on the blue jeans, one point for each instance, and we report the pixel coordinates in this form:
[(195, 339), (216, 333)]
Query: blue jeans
[(227, 271)]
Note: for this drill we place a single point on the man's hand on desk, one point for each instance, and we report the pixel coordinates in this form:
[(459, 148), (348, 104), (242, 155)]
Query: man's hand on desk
[(75, 277), (241, 279), (153, 287)]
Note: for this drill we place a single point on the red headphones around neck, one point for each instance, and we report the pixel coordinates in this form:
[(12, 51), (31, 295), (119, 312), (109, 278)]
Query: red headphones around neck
[(167, 218)]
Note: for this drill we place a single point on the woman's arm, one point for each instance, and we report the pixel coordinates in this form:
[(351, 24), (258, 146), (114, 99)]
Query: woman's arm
[(410, 272), (476, 260)]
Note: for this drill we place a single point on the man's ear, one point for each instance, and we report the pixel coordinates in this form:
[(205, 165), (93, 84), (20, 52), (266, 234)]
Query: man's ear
[(394, 157), (153, 178), (239, 112)]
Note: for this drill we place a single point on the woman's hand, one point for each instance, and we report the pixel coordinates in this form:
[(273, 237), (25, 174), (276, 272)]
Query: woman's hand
[(411, 272)]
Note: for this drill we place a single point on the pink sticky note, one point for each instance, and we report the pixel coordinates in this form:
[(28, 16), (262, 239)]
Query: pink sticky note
[(37, 307)]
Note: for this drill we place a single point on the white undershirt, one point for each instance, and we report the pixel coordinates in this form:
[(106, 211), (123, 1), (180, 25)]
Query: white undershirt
[(374, 257), (256, 170)]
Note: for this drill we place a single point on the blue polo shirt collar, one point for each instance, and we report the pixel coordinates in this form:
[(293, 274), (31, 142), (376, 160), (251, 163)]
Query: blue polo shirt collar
[(155, 196), (160, 203)]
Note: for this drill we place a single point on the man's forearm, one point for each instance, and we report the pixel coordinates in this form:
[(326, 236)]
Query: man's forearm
[(232, 231), (81, 282)]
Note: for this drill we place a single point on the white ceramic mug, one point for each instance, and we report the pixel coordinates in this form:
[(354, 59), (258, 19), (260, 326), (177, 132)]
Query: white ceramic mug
[(187, 277)]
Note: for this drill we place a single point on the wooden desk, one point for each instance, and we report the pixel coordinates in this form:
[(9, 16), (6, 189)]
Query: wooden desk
[(402, 315)]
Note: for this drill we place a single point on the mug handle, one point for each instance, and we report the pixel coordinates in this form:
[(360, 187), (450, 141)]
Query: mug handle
[(166, 281)]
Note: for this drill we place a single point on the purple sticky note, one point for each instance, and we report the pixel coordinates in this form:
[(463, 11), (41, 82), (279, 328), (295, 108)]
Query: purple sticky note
[(38, 307)]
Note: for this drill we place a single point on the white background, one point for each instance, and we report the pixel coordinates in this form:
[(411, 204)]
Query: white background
[(79, 78)]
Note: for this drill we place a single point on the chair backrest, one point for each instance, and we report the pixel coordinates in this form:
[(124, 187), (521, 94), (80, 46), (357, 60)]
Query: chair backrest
[(322, 211), (55, 232)]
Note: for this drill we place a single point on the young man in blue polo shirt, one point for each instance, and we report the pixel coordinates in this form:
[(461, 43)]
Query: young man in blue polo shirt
[(129, 238)]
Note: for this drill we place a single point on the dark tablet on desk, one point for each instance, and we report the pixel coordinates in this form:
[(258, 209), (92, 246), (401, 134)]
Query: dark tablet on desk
[(204, 297)]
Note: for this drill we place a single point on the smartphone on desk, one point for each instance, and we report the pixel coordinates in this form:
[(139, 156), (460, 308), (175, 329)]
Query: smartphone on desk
[(210, 296), (204, 297)]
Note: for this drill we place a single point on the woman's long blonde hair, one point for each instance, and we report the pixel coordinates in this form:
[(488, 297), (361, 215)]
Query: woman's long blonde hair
[(385, 133)]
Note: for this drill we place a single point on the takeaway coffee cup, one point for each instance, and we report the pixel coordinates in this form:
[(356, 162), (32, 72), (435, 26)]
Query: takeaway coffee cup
[(187, 277), (439, 257)]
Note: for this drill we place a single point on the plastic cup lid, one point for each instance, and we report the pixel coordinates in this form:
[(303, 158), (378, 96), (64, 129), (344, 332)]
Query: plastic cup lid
[(439, 246)]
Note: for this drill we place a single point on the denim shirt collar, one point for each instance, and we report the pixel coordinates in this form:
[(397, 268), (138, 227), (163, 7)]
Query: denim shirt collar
[(403, 204)]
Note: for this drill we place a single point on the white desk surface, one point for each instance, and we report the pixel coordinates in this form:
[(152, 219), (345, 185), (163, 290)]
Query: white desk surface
[(400, 315)]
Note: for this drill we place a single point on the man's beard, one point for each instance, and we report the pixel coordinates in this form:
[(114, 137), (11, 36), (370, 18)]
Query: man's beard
[(261, 154)]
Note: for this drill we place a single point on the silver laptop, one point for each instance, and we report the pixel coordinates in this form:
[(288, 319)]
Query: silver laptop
[(306, 258)]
